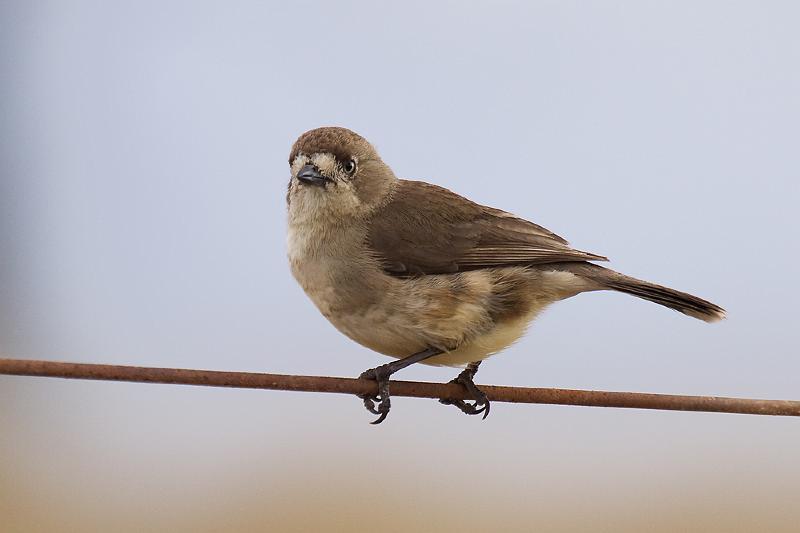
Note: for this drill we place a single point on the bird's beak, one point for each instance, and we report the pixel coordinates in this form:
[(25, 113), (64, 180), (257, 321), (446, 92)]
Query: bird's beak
[(311, 176)]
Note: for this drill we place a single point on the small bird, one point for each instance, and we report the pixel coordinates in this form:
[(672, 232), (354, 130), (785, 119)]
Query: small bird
[(419, 273)]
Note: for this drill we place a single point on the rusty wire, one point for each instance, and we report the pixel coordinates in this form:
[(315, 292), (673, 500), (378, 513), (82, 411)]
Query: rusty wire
[(250, 380)]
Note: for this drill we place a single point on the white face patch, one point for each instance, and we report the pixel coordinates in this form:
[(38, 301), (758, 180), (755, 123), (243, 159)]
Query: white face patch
[(335, 200), (326, 164), (299, 162)]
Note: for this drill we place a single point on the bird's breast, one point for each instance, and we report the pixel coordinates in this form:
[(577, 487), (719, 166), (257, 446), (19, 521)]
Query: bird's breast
[(334, 270)]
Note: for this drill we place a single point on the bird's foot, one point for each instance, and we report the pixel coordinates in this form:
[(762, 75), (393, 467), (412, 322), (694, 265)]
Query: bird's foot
[(381, 375), (465, 379), (381, 403)]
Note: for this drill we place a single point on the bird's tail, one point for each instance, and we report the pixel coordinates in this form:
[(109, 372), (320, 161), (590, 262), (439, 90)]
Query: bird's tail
[(680, 301)]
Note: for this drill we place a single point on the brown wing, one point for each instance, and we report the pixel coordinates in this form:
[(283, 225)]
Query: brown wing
[(426, 229)]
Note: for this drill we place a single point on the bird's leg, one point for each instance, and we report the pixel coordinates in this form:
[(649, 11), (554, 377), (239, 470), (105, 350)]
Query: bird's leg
[(481, 404), (381, 374)]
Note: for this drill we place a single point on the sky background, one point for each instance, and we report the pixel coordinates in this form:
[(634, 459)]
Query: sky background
[(143, 167)]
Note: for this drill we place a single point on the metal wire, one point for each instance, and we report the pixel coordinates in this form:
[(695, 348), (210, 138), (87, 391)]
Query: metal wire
[(249, 380)]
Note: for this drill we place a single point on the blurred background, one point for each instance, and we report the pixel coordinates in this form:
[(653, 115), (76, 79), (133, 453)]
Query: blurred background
[(142, 221)]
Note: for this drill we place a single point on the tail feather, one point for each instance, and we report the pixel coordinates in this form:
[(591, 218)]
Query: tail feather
[(677, 300), (680, 301)]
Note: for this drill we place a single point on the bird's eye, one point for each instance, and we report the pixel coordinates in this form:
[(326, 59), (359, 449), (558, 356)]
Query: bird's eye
[(350, 166)]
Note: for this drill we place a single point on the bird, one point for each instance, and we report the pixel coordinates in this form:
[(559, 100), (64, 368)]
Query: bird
[(417, 272)]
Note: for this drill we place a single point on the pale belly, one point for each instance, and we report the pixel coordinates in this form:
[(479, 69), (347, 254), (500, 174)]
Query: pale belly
[(499, 338), (394, 336)]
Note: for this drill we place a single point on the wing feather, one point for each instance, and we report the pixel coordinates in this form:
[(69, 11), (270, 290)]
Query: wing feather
[(426, 229)]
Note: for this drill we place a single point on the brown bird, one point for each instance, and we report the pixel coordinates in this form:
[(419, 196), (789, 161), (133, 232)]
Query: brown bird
[(417, 272)]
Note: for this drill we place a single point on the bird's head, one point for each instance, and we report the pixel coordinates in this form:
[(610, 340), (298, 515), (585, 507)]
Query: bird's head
[(336, 173)]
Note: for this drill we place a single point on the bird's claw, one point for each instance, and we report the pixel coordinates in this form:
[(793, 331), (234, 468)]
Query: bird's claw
[(369, 403), (384, 403), (470, 408), (481, 404), (382, 411)]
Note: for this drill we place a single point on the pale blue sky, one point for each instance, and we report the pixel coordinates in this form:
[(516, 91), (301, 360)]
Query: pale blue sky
[(144, 149)]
